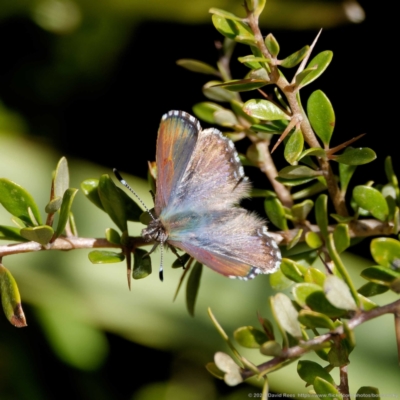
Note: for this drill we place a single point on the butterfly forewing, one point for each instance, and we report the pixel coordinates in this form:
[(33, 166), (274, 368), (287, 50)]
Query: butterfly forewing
[(176, 140)]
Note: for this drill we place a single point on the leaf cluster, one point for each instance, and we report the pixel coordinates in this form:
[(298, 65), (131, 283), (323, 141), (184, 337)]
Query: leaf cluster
[(324, 306)]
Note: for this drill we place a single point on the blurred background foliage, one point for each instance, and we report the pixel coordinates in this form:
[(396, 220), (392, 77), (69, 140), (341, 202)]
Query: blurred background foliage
[(90, 80)]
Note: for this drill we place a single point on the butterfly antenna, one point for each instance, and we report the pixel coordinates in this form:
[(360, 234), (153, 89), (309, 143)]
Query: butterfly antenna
[(123, 182), (161, 272)]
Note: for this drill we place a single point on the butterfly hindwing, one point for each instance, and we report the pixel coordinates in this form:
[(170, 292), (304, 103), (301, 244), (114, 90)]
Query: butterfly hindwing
[(233, 242)]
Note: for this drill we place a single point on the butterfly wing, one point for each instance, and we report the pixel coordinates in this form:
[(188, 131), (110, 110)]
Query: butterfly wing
[(200, 181), (213, 180), (177, 136), (233, 242)]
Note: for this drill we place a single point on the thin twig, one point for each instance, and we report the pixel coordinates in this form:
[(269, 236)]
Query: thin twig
[(344, 381), (64, 244), (357, 229), (304, 347)]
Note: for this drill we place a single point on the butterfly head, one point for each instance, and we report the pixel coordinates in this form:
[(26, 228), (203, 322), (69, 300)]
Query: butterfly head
[(155, 231)]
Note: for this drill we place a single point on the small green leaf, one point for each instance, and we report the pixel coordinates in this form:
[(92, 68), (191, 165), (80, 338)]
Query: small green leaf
[(192, 287), (275, 212), (264, 109), (237, 108), (61, 178), (355, 156), (224, 14), (302, 254), (386, 252), (90, 190), (340, 219), (273, 127), (313, 151), (17, 201), (319, 303), (302, 290), (293, 182), (395, 285), (40, 234), (66, 205), (272, 45), (294, 147), (53, 205), (295, 239), (256, 6), (254, 59), (197, 66), (141, 264), (314, 275), (243, 85), (295, 58), (278, 281), (390, 175), (105, 257), (11, 299), (113, 202), (297, 172), (205, 111), (321, 214), (309, 370), (349, 341), (285, 314), (113, 236), (11, 233), (217, 93), (311, 190), (341, 237), (345, 173), (368, 392), (372, 200), (312, 319), (18, 222), (301, 76), (32, 217), (372, 289), (226, 364), (292, 270), (271, 348), (214, 371), (181, 261), (338, 293), (226, 118), (250, 337), (365, 303), (380, 275), (325, 388), (313, 240), (300, 211), (320, 62), (233, 28), (321, 115)]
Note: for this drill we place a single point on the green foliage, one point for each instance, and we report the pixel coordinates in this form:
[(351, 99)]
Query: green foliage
[(321, 299)]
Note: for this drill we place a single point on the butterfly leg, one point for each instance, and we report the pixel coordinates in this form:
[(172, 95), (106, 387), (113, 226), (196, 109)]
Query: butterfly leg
[(173, 249)]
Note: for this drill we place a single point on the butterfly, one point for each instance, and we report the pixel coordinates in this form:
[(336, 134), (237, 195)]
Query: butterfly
[(200, 182)]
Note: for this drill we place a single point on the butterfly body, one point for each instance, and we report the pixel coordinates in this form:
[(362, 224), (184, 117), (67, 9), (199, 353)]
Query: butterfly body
[(200, 182)]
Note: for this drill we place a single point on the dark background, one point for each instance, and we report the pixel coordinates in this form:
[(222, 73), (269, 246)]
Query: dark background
[(112, 118)]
